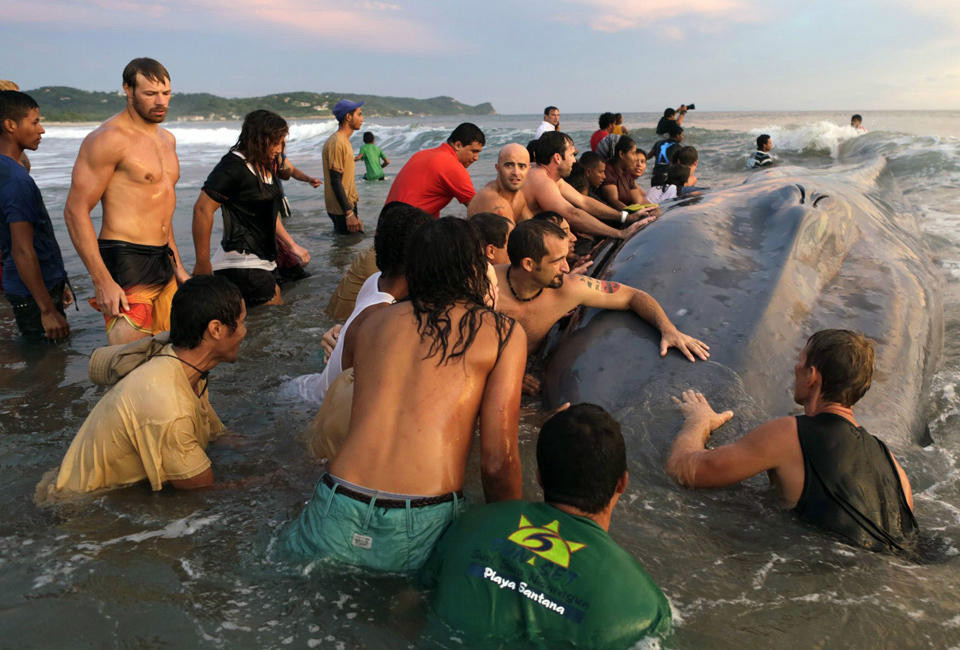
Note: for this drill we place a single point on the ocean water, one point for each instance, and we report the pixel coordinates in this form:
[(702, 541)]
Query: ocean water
[(134, 569)]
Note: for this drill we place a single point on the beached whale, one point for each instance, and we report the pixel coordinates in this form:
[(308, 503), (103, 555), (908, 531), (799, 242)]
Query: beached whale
[(753, 271)]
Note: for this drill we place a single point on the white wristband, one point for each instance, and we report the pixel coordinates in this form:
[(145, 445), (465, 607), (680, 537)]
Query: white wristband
[(623, 216)]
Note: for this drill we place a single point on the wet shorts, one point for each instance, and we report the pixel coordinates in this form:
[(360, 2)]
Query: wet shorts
[(257, 285), (352, 525), (26, 311), (145, 273)]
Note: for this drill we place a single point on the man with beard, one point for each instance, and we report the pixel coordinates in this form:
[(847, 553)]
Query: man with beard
[(502, 196), (545, 190), (129, 165), (537, 292)]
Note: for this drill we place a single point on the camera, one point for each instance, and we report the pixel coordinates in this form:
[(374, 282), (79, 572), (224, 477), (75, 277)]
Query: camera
[(691, 107)]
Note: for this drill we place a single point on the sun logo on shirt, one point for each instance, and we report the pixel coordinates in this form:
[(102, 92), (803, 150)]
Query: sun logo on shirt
[(545, 542)]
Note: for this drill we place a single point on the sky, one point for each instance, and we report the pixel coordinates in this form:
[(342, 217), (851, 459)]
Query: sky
[(581, 55)]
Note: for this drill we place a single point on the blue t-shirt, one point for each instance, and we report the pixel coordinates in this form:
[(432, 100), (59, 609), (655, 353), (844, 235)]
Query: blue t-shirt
[(20, 200)]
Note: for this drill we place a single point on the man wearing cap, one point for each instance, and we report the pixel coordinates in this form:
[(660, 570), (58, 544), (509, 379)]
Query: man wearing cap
[(340, 187)]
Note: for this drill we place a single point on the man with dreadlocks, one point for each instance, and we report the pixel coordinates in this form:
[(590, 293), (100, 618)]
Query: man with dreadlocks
[(244, 186), (129, 165), (425, 369)]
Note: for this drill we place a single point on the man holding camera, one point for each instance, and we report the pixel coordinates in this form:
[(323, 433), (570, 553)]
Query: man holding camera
[(672, 120)]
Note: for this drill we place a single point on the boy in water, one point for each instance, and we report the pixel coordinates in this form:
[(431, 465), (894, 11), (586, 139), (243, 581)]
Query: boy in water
[(762, 157), (372, 157)]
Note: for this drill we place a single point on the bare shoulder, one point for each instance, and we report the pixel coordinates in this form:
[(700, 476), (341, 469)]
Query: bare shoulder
[(168, 137), (774, 432)]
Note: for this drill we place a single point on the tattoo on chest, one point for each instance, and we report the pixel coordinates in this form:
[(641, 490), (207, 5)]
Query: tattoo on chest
[(603, 286)]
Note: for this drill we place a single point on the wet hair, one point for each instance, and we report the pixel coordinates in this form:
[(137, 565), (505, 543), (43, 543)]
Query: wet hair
[(552, 142), (491, 228), (676, 174), (762, 140), (845, 362), (581, 456), (199, 300), (669, 112), (688, 156), (527, 240), (397, 222), (547, 110), (15, 105), (856, 117), (589, 160), (150, 69), (261, 129), (368, 137), (578, 178), (466, 134), (551, 216), (624, 144), (446, 264), (605, 120)]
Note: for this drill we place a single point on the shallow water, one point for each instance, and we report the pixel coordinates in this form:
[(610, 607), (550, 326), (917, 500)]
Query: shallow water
[(133, 569)]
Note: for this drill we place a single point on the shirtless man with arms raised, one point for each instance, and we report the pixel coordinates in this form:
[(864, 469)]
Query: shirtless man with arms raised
[(129, 165), (545, 190), (425, 369), (502, 195), (538, 290)]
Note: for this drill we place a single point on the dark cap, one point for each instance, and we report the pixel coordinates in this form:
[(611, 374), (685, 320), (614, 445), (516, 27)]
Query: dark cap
[(343, 107)]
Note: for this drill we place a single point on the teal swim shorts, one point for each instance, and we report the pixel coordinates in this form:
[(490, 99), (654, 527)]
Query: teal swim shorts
[(335, 524)]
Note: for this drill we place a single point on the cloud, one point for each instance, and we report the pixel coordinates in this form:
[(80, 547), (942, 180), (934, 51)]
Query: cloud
[(626, 15), (381, 25)]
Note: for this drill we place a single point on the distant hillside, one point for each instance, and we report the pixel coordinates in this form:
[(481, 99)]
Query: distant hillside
[(64, 104)]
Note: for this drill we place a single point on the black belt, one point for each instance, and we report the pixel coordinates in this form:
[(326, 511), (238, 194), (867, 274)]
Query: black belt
[(389, 503)]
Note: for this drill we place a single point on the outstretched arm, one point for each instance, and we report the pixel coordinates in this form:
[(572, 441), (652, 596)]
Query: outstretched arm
[(548, 197), (604, 294)]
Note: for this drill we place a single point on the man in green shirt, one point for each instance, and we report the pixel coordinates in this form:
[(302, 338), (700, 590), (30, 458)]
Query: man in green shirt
[(548, 575), (372, 157)]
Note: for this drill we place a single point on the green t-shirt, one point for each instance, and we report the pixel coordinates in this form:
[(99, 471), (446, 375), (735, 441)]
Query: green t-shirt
[(522, 574), (372, 156)]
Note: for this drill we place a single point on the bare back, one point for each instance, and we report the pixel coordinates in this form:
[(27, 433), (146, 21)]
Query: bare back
[(413, 420), (132, 172)]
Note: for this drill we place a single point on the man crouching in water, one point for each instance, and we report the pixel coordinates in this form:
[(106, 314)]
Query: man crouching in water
[(425, 369), (826, 466)]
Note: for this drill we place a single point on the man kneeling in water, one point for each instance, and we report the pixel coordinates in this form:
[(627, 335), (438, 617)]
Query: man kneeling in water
[(426, 368), (827, 467), (156, 421)]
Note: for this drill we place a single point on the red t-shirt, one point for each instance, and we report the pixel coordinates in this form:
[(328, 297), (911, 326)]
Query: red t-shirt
[(597, 136), (430, 179)]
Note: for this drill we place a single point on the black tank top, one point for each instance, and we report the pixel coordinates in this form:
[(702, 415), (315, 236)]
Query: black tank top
[(850, 485)]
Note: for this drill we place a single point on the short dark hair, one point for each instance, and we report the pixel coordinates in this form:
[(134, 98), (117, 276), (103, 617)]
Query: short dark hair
[(669, 112), (150, 69), (15, 105), (605, 120), (857, 117), (551, 216), (550, 143), (581, 456), (261, 129), (845, 362), (624, 144), (198, 301), (547, 110), (762, 140), (590, 159), (678, 175), (526, 240), (578, 178), (397, 222), (491, 228), (688, 156), (466, 134), (368, 137), (532, 150)]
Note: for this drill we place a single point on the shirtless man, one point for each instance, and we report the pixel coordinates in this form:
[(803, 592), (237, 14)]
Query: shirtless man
[(425, 369), (129, 164), (546, 190), (538, 291), (502, 196)]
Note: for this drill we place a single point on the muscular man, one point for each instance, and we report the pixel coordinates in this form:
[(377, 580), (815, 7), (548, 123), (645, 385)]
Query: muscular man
[(537, 290), (156, 421), (434, 177), (129, 164), (425, 369), (547, 574), (502, 195), (827, 468), (551, 121), (545, 190), (340, 185)]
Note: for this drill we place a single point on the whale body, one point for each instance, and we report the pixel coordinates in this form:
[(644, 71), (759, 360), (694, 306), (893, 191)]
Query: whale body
[(753, 271)]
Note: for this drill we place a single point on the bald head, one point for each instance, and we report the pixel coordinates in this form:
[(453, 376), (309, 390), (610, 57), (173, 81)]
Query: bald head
[(513, 163)]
